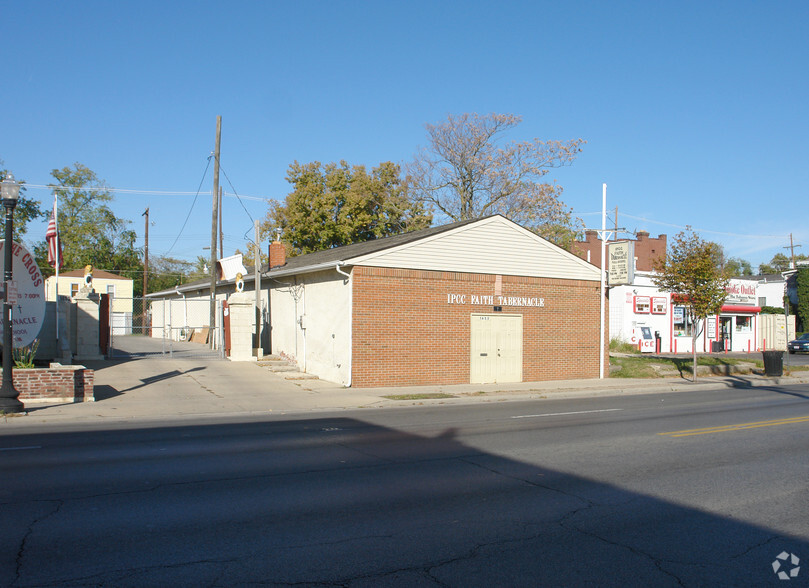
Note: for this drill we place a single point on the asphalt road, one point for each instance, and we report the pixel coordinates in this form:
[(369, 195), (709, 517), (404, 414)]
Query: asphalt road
[(691, 489), (796, 358)]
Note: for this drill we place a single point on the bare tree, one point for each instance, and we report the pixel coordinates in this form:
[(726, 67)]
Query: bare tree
[(466, 171)]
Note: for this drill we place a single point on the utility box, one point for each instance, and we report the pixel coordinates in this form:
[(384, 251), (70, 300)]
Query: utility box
[(646, 340)]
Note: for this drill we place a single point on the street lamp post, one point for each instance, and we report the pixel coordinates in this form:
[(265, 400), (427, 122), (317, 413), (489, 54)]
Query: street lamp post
[(9, 396)]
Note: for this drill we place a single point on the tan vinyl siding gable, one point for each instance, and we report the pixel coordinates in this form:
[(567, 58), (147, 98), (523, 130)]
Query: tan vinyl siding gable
[(492, 246)]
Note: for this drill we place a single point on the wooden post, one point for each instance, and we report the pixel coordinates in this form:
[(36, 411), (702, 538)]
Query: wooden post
[(215, 217)]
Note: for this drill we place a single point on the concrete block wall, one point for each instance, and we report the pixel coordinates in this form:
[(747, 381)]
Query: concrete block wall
[(242, 326), (405, 332), (87, 326)]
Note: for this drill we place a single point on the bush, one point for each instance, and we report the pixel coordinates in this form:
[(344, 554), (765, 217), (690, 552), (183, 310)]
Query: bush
[(24, 356), (619, 346)]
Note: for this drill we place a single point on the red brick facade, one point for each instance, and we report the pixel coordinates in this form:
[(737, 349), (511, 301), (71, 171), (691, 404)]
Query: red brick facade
[(62, 384), (406, 333), (647, 249)]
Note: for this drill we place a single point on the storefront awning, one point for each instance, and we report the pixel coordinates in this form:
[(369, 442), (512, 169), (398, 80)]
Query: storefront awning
[(740, 308)]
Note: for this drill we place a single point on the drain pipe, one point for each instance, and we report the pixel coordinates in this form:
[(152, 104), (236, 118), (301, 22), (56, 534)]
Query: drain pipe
[(350, 317), (185, 311), (302, 324), (341, 272)]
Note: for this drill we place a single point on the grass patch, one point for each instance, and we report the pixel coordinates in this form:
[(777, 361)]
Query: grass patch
[(426, 396), (658, 367), (618, 346)]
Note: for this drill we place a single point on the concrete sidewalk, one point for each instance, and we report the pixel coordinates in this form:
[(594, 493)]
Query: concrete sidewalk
[(172, 389)]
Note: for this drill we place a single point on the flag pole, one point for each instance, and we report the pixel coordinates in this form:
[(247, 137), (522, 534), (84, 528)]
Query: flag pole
[(58, 263)]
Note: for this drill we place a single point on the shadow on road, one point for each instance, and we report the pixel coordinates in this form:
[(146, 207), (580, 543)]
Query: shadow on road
[(340, 501)]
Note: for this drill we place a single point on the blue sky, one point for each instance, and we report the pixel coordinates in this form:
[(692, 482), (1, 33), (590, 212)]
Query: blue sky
[(694, 113)]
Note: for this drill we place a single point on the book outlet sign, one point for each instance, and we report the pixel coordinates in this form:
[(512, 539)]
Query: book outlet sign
[(26, 293), (494, 300)]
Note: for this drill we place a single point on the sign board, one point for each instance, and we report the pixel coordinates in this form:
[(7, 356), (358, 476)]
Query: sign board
[(710, 328), (12, 294), (27, 295), (621, 267), (659, 304), (741, 292)]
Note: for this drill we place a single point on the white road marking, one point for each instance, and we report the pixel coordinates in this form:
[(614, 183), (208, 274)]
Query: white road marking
[(20, 448), (553, 414)]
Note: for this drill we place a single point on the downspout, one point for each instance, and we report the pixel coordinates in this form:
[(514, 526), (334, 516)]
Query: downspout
[(185, 311), (350, 319), (303, 323), (341, 272)]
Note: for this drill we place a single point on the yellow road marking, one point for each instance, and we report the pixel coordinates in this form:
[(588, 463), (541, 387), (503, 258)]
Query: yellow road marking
[(739, 427)]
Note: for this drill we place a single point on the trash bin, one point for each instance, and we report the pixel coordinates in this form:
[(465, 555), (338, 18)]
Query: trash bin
[(773, 363)]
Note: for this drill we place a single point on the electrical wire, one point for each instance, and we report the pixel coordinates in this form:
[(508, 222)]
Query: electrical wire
[(192, 206), (138, 191), (683, 228)]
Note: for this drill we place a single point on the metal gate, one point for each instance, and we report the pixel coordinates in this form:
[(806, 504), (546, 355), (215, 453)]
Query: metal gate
[(177, 328)]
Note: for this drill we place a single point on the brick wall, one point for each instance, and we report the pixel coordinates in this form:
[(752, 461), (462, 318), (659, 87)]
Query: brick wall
[(647, 249), (62, 384), (405, 333)]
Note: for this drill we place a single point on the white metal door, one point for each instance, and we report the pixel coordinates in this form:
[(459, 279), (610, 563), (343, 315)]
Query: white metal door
[(495, 348)]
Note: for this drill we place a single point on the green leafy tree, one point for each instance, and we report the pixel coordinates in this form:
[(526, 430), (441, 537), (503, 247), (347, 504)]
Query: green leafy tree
[(467, 171), (167, 272), (802, 285), (736, 266), (25, 211), (333, 205), (779, 263), (89, 231), (689, 269)]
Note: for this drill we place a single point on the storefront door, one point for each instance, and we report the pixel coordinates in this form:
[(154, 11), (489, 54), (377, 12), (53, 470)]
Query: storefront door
[(496, 348), (726, 328)]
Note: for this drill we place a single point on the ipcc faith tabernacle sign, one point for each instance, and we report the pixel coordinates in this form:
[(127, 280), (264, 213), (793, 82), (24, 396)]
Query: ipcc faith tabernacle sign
[(621, 268), (26, 295)]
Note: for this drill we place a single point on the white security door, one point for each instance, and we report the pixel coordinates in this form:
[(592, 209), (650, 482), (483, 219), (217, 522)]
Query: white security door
[(496, 348)]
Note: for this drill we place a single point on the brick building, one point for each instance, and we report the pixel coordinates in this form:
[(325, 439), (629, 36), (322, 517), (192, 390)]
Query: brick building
[(475, 301), (647, 249)]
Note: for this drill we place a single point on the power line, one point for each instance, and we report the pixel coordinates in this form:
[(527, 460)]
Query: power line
[(224, 173), (695, 229), (50, 187), (192, 206)]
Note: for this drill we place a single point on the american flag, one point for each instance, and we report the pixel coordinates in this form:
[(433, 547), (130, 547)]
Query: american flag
[(52, 237)]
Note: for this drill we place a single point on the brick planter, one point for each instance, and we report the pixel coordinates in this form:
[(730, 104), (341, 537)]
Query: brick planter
[(60, 383)]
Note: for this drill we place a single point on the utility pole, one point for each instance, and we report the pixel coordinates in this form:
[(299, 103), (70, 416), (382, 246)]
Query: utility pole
[(214, 217), (257, 285), (145, 267), (616, 224), (221, 233), (792, 252)]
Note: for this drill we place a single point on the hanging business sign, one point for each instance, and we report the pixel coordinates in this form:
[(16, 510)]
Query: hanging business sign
[(621, 266), (26, 293)]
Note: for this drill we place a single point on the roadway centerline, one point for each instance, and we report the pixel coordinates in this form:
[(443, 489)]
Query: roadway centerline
[(738, 427), (553, 414)]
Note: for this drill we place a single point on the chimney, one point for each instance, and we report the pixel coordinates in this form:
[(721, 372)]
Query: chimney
[(278, 254)]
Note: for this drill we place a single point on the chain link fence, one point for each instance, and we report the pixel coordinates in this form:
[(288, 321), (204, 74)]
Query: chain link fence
[(141, 327)]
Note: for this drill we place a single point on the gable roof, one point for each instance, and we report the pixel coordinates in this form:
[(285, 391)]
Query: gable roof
[(489, 245), (97, 273), (457, 246), (356, 250)]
